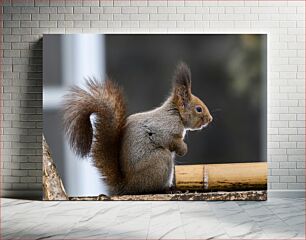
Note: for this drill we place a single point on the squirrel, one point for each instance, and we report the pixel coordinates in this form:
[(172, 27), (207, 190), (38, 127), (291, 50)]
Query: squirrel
[(135, 154)]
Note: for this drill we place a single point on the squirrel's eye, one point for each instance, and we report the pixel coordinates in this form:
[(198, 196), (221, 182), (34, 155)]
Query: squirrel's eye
[(198, 109)]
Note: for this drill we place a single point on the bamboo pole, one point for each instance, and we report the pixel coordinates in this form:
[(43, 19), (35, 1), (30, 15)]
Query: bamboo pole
[(222, 177)]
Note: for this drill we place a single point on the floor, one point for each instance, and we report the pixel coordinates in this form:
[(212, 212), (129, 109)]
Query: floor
[(273, 219)]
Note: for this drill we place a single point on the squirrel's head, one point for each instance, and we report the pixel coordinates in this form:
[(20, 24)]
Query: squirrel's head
[(194, 113)]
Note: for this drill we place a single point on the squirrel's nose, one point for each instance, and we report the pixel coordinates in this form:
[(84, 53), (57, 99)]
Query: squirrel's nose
[(210, 118)]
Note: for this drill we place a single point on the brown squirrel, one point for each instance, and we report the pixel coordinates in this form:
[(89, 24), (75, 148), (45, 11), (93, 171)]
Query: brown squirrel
[(135, 154)]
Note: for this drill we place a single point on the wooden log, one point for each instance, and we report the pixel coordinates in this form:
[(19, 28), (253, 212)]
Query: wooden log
[(53, 188), (209, 177), (222, 177), (195, 196)]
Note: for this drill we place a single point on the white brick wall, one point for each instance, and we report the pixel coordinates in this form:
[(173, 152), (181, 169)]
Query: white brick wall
[(24, 22)]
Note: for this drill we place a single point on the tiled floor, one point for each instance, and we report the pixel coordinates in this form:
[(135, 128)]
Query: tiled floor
[(273, 219)]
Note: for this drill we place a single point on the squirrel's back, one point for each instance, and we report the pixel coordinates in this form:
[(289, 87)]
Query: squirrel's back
[(145, 157)]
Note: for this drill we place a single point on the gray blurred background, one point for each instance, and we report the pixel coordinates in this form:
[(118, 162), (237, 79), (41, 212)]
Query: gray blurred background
[(229, 73)]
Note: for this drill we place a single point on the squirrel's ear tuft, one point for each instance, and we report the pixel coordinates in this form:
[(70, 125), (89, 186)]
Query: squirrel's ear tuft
[(182, 75), (182, 84)]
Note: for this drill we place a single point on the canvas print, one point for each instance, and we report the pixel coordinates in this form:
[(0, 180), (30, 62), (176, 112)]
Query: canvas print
[(155, 117)]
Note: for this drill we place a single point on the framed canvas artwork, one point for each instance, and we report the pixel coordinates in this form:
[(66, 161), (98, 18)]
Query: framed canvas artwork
[(155, 116)]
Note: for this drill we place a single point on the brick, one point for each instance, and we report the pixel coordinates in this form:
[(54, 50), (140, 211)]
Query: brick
[(185, 24), (139, 17), (287, 131), (35, 173), (193, 17), (29, 24), (300, 164), (287, 179), (29, 10), (21, 31), (296, 186), (176, 17), (279, 186), (297, 138), (229, 17), (57, 17), (130, 24), (166, 10), (296, 172), (161, 17), (230, 3), (185, 10), (210, 17), (27, 179), (158, 3), (138, 3), (98, 24), (21, 17), (193, 3), (41, 17), (300, 179), (148, 24), (63, 10), (11, 24), (242, 10), (273, 179), (260, 10), (11, 9), (112, 10), (114, 24), (20, 46), (222, 24), (82, 24), (122, 3), (91, 3), (96, 9), (105, 17), (48, 10), (41, 3), (23, 3), (11, 179), (81, 9), (287, 9), (296, 124), (167, 24), (73, 16), (91, 16), (106, 2), (74, 3), (19, 173), (118, 17), (147, 9), (287, 165), (129, 10), (217, 10)]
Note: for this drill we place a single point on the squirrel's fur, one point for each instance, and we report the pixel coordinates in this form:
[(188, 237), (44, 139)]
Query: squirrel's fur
[(134, 153)]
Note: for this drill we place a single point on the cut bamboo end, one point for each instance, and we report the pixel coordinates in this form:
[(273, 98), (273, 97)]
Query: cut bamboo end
[(222, 177)]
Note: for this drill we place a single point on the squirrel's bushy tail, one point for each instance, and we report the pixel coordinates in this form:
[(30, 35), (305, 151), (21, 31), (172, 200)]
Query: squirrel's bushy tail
[(106, 101)]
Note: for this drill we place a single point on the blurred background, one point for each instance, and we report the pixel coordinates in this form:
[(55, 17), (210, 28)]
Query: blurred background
[(229, 73)]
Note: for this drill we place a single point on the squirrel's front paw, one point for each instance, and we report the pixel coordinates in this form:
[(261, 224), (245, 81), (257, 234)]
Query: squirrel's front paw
[(182, 149)]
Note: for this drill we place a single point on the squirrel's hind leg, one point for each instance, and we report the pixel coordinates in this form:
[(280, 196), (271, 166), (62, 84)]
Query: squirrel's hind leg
[(154, 177)]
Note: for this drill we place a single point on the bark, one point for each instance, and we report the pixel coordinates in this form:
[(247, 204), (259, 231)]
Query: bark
[(211, 196), (53, 188)]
